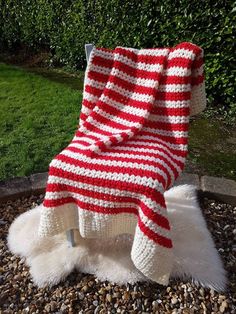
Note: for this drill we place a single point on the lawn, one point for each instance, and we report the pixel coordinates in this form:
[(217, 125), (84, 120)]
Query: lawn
[(38, 119), (39, 112), (212, 148)]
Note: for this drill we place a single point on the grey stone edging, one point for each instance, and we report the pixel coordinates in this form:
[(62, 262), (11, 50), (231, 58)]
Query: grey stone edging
[(23, 186), (221, 189)]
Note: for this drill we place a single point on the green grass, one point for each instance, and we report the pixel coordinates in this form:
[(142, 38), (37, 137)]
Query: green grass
[(212, 148), (39, 112), (38, 119)]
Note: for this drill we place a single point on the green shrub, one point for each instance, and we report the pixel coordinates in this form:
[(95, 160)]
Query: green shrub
[(64, 26)]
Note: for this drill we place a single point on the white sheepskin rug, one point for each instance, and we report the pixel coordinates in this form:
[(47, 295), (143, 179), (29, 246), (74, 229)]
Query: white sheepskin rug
[(52, 259)]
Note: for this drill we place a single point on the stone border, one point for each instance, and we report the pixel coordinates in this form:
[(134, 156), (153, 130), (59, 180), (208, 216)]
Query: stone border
[(221, 189), (23, 186), (218, 188)]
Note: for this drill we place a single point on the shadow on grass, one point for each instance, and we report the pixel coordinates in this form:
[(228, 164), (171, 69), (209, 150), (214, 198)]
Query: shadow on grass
[(35, 64), (212, 148), (72, 80)]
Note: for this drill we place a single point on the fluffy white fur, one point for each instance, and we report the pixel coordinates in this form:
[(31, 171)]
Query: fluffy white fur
[(51, 259)]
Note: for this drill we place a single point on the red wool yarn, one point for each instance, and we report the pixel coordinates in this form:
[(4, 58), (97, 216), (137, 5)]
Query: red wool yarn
[(130, 147)]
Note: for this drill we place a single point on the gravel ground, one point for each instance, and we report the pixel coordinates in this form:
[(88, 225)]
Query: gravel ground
[(82, 293)]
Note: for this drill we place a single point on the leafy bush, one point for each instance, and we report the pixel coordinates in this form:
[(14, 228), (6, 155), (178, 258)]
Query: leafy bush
[(64, 26)]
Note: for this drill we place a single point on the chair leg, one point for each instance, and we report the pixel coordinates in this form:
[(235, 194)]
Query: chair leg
[(70, 238)]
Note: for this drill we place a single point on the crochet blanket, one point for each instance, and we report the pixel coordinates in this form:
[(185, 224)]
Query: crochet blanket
[(130, 147)]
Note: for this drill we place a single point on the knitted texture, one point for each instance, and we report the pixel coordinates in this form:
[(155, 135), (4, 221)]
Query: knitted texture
[(130, 147)]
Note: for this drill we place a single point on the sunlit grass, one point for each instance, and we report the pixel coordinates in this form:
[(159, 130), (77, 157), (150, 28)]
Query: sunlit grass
[(38, 118), (39, 113)]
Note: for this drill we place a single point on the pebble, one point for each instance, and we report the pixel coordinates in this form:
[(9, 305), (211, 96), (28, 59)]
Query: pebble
[(223, 306), (96, 311), (102, 291), (117, 295), (109, 297), (203, 306), (155, 305), (81, 295), (174, 300), (48, 308), (221, 298), (1, 279), (53, 305), (234, 248), (17, 277), (64, 308), (126, 295), (85, 288), (202, 292), (91, 283)]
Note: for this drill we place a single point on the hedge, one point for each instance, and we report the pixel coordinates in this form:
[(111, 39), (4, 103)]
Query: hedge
[(64, 26)]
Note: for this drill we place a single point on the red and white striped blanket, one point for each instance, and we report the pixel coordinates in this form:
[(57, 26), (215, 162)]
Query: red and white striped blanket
[(130, 147)]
